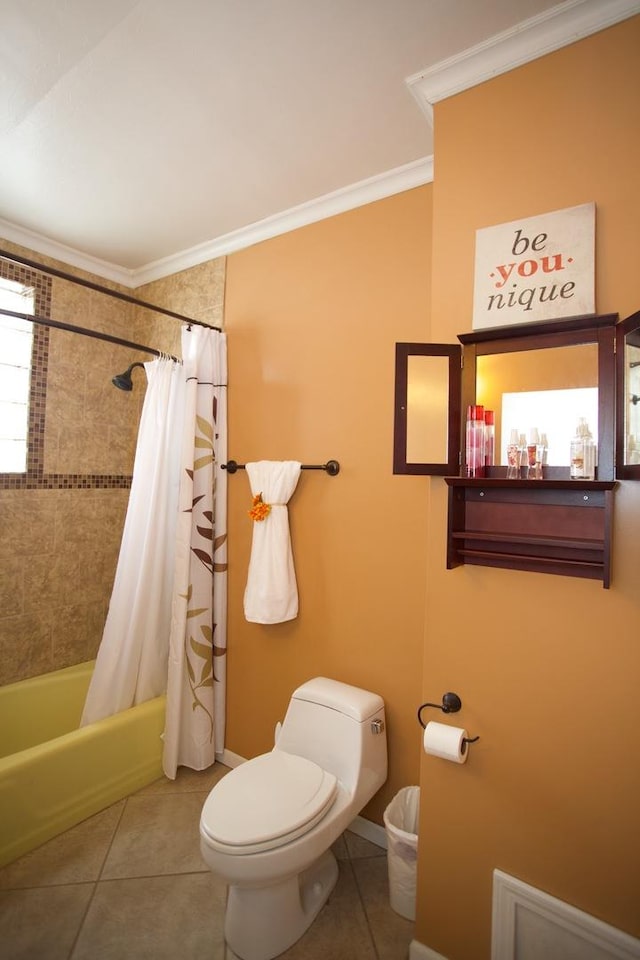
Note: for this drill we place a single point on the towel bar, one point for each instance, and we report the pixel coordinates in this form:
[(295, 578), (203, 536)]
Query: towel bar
[(332, 467)]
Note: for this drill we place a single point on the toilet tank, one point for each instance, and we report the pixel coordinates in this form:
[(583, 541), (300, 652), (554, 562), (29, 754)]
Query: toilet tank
[(342, 729)]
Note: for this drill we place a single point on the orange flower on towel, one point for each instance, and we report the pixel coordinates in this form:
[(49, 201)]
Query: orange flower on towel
[(260, 510)]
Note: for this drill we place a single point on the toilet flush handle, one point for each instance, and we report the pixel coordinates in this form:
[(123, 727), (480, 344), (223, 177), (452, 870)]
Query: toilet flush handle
[(377, 726)]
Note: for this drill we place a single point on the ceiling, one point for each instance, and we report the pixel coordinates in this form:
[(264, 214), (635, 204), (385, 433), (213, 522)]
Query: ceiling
[(141, 136)]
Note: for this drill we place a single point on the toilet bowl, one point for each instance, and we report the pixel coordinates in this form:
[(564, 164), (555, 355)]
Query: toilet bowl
[(267, 827)]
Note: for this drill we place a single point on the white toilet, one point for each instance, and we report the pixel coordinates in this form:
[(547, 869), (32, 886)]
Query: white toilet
[(267, 826)]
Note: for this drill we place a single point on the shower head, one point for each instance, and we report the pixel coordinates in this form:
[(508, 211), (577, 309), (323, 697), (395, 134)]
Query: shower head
[(123, 381)]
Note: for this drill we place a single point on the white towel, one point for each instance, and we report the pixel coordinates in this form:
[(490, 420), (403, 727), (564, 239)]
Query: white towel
[(271, 595)]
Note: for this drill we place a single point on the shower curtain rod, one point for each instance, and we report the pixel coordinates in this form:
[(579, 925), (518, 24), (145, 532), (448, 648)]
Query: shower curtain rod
[(47, 322), (5, 255)]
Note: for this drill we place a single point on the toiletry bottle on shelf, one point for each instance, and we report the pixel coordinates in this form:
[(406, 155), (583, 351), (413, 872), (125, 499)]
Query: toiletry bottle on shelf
[(534, 439), (589, 454), (475, 441), (583, 453), (545, 447), (541, 457), (513, 457), (576, 469), (489, 438), (522, 443)]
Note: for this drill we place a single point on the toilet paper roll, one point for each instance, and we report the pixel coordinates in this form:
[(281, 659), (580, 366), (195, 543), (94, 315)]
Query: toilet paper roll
[(444, 741)]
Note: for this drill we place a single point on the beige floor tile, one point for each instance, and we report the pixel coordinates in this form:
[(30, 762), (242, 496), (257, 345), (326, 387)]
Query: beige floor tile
[(391, 932), (155, 918), (340, 930), (339, 849), (358, 847), (155, 897), (75, 856), (41, 924), (186, 781), (157, 835)]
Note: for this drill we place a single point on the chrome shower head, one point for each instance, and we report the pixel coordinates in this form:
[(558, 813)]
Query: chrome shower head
[(123, 381)]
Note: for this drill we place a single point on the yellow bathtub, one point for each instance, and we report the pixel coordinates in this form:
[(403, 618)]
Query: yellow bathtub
[(53, 774)]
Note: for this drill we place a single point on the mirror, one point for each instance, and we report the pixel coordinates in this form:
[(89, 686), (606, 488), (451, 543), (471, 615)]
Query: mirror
[(427, 399), (427, 409), (631, 409), (628, 409), (546, 389)]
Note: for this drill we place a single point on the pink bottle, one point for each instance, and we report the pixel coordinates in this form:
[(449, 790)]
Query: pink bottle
[(475, 441), (489, 438)]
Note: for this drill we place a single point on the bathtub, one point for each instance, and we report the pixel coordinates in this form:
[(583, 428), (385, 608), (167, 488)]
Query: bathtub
[(53, 774)]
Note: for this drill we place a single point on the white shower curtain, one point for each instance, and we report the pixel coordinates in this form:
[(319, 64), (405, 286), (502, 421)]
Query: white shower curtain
[(194, 726), (166, 626), (132, 660)]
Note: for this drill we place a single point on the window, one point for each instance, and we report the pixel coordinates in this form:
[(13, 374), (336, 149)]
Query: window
[(16, 344)]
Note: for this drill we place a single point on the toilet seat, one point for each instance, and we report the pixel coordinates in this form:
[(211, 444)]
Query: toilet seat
[(266, 802)]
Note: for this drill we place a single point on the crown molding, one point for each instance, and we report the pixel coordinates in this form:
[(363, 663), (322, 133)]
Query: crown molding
[(67, 255), (411, 175), (533, 38), (566, 23)]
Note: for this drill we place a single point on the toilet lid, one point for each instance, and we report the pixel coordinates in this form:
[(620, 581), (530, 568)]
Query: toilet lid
[(266, 802)]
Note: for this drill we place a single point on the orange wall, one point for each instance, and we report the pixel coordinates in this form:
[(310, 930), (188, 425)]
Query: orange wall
[(547, 666), (312, 319)]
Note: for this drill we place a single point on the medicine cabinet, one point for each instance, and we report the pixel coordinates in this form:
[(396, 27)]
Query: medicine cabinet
[(628, 398), (554, 525)]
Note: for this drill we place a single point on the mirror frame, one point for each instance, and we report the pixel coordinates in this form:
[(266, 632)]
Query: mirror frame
[(624, 471), (592, 328), (400, 463), (543, 334)]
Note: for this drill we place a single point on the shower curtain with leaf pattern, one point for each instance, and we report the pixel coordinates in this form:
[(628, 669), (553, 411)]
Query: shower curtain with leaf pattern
[(194, 727), (166, 625)]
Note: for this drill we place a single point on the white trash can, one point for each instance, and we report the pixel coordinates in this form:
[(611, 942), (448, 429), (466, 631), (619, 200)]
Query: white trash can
[(401, 823)]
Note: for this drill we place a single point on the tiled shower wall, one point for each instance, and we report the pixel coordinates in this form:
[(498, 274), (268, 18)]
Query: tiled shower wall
[(60, 527)]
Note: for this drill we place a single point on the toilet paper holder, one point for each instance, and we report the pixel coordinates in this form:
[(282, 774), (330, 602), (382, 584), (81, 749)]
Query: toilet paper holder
[(451, 703)]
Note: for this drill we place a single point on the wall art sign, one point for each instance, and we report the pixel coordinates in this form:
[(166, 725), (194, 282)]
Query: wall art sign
[(538, 268)]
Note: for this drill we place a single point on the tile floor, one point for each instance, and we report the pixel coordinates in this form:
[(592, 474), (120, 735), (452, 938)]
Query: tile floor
[(129, 884)]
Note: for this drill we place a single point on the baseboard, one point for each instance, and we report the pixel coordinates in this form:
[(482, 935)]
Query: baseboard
[(369, 831), (230, 759), (418, 951)]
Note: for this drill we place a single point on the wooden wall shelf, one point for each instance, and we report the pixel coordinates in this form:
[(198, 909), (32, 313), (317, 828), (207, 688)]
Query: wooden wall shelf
[(547, 526)]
